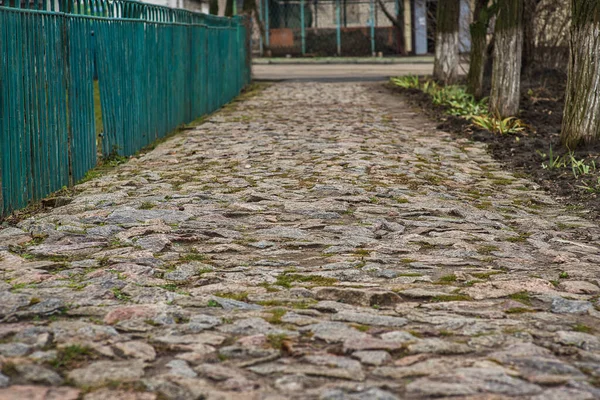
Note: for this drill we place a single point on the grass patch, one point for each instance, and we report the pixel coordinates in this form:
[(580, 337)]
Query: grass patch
[(446, 280), (486, 275), (277, 341), (518, 310), (120, 295), (285, 280), (451, 297), (147, 205), (69, 357), (521, 297), (276, 315), (522, 237), (487, 249), (241, 296), (583, 328), (193, 256)]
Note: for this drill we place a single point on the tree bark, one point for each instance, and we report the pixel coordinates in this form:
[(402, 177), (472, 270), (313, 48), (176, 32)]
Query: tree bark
[(478, 28), (508, 46), (213, 7), (228, 8), (581, 117), (445, 67), (529, 12), (398, 23)]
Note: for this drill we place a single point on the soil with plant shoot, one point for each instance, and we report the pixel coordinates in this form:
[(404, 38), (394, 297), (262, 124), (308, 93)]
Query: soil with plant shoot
[(528, 145)]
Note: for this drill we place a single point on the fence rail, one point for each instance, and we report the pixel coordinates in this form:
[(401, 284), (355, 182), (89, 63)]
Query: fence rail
[(156, 68)]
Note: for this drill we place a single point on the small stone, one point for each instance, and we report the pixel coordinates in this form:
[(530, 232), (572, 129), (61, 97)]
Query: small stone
[(254, 326), (471, 381), (135, 349), (38, 393), (564, 306), (399, 336), (359, 297), (376, 358), (332, 332), (103, 372), (130, 312), (4, 380), (582, 340), (14, 349), (181, 368), (579, 287), (37, 374), (230, 304), (44, 356), (107, 394), (200, 322), (153, 243), (369, 319), (438, 346)]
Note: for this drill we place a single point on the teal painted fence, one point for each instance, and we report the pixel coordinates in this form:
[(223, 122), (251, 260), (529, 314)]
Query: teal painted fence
[(157, 68)]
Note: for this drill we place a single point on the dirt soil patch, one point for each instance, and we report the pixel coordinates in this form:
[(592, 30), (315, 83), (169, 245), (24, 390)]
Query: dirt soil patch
[(542, 102)]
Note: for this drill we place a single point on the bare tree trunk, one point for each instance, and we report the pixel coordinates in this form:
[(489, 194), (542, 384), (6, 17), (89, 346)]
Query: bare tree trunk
[(529, 12), (213, 7), (478, 28), (581, 118), (228, 8), (506, 74), (398, 23), (445, 67)]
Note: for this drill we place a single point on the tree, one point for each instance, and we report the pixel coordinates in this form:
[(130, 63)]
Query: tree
[(213, 7), (529, 14), (508, 45), (228, 8), (445, 67), (479, 27), (398, 23), (581, 117), (250, 9)]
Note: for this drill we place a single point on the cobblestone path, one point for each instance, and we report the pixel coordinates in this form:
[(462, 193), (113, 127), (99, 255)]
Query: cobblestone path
[(315, 241)]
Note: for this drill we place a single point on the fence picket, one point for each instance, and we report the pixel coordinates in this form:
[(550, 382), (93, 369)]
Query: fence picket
[(157, 68)]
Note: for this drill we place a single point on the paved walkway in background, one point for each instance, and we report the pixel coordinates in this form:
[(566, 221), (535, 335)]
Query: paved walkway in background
[(317, 241), (341, 72), (344, 60)]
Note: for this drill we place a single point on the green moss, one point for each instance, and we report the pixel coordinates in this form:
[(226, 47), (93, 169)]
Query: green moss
[(70, 356), (486, 275), (360, 327), (518, 310), (147, 205), (521, 297), (487, 249), (285, 280), (583, 328), (239, 296), (522, 237), (446, 280), (276, 316), (277, 341), (451, 297), (193, 256), (120, 295), (564, 275)]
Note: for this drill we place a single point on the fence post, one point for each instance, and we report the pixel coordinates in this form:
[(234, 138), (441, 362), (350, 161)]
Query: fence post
[(267, 23), (373, 28), (338, 27), (303, 27), (260, 39)]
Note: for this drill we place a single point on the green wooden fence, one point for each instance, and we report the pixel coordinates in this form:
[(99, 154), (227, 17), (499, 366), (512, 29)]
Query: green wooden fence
[(157, 68)]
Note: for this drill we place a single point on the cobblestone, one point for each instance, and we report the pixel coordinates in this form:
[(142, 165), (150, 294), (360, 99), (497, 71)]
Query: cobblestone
[(314, 241)]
